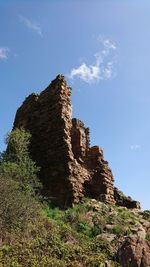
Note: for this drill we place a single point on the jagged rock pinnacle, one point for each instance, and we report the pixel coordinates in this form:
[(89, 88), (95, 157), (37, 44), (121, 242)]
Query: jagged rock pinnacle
[(70, 168)]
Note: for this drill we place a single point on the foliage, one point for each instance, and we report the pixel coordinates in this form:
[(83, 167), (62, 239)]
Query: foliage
[(16, 162), (70, 238), (18, 204), (118, 230), (37, 235), (17, 208), (146, 215), (148, 237)]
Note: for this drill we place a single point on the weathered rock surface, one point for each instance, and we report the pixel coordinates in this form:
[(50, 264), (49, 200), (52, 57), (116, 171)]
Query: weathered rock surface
[(124, 201), (135, 252), (70, 168)]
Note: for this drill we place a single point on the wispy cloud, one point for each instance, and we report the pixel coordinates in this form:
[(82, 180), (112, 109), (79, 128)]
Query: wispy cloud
[(4, 51), (103, 67), (135, 147), (31, 25)]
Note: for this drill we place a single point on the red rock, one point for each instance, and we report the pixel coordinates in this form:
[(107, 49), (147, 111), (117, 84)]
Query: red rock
[(134, 252), (70, 168), (124, 201)]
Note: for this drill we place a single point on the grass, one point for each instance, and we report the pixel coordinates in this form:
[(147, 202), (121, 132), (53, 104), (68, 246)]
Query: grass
[(70, 238)]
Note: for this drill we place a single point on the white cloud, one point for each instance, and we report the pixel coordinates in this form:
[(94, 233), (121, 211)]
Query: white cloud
[(103, 67), (4, 51), (109, 44), (135, 147), (29, 24), (86, 73)]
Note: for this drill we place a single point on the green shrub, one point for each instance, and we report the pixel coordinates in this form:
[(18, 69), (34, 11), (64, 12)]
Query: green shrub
[(146, 214), (18, 180), (118, 230), (96, 230), (100, 245), (53, 213), (17, 208), (148, 237), (16, 163)]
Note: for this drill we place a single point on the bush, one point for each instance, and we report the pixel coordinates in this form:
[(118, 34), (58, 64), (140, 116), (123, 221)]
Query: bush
[(100, 245), (96, 230), (148, 237), (118, 230), (146, 215), (17, 208)]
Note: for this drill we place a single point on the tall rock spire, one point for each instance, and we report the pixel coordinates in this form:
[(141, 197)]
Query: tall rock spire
[(70, 168)]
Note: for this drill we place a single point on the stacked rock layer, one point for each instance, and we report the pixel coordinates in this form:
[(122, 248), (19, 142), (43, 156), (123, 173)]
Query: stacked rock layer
[(70, 168)]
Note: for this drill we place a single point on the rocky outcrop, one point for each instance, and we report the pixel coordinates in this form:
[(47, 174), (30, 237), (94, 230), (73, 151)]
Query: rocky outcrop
[(100, 186), (135, 252), (80, 140), (70, 168), (124, 201)]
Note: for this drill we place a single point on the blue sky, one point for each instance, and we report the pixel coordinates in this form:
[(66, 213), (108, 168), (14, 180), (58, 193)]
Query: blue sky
[(102, 48)]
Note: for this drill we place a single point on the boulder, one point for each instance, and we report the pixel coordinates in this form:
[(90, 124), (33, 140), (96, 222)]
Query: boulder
[(134, 252)]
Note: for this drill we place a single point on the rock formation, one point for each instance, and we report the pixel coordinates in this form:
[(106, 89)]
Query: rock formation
[(125, 201), (134, 252), (70, 168)]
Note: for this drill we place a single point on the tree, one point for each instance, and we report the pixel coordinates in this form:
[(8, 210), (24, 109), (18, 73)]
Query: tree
[(18, 182), (16, 162)]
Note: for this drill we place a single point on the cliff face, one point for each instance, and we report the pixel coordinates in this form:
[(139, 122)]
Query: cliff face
[(70, 168)]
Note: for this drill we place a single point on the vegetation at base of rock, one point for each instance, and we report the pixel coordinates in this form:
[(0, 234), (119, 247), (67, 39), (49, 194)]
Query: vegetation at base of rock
[(65, 238), (18, 181), (16, 162), (35, 234)]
